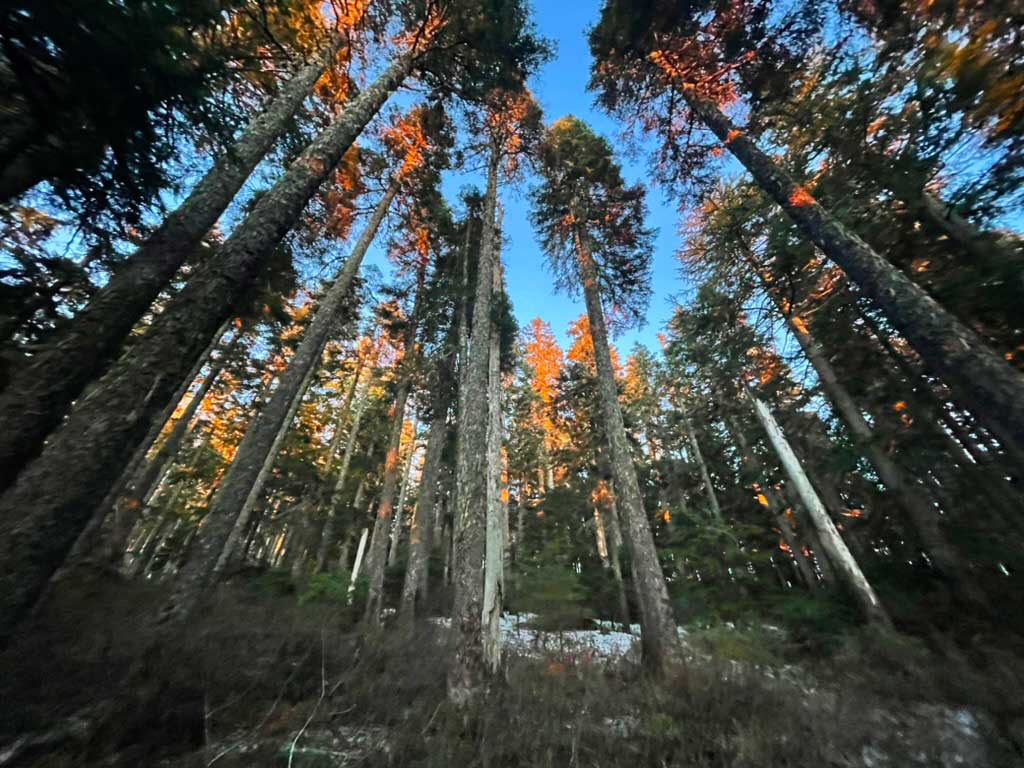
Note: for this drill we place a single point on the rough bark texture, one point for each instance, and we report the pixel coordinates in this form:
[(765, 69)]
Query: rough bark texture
[(36, 399), (494, 542), (467, 672), (43, 513), (987, 384), (842, 559), (659, 641)]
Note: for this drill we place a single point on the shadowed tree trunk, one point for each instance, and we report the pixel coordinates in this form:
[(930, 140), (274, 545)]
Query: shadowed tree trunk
[(698, 456), (467, 672), (414, 590), (36, 399), (43, 513), (376, 559), (658, 630), (403, 494), (842, 559), (987, 384)]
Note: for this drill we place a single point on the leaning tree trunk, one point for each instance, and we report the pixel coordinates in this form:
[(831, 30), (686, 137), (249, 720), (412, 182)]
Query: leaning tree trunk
[(987, 384), (38, 396), (414, 590), (243, 483), (467, 672), (43, 513), (698, 455), (376, 559), (911, 496), (835, 547), (494, 541), (659, 641), (129, 508)]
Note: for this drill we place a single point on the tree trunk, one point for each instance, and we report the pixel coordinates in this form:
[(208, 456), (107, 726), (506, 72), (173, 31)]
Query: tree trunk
[(40, 393), (835, 547), (467, 672), (43, 513), (403, 493), (376, 560), (360, 551), (705, 476), (659, 641), (494, 541), (987, 384), (414, 590), (331, 521)]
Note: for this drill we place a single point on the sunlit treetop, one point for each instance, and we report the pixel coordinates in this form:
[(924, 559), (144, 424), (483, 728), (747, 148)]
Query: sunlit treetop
[(584, 201), (581, 351)]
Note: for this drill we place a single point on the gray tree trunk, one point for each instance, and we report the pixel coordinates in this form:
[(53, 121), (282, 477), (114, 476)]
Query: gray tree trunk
[(987, 384), (494, 543), (467, 672), (842, 559), (53, 499), (40, 393), (698, 456), (659, 641)]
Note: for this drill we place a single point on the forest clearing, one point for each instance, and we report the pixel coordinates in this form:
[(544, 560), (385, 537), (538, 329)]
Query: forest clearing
[(487, 383)]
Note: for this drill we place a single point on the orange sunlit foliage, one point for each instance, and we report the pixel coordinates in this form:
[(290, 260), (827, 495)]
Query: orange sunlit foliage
[(766, 364), (582, 349), (407, 140), (545, 359), (506, 113), (418, 40), (690, 65), (800, 197), (340, 198)]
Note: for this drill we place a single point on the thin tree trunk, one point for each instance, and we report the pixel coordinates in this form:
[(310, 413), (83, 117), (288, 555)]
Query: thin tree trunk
[(360, 551), (987, 384), (403, 493), (691, 435), (421, 532), (467, 672), (40, 393), (376, 560), (835, 547), (43, 513), (659, 641)]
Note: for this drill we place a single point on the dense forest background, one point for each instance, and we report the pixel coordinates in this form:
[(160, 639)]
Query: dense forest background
[(287, 479)]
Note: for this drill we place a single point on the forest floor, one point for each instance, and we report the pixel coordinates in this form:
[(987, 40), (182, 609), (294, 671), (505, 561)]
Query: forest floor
[(268, 680)]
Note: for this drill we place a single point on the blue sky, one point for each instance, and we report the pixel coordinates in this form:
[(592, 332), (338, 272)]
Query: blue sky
[(561, 89)]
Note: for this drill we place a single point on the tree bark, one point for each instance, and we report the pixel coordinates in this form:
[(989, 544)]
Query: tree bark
[(698, 455), (659, 641), (414, 590), (40, 393), (467, 672), (494, 540), (987, 384), (43, 513), (838, 553)]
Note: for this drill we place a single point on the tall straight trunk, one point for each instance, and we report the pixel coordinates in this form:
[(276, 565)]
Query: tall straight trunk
[(43, 513), (698, 456), (659, 641), (842, 559), (494, 539), (360, 551), (606, 518), (376, 560), (40, 393), (414, 590), (910, 495), (467, 672), (987, 384), (328, 534), (403, 494)]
